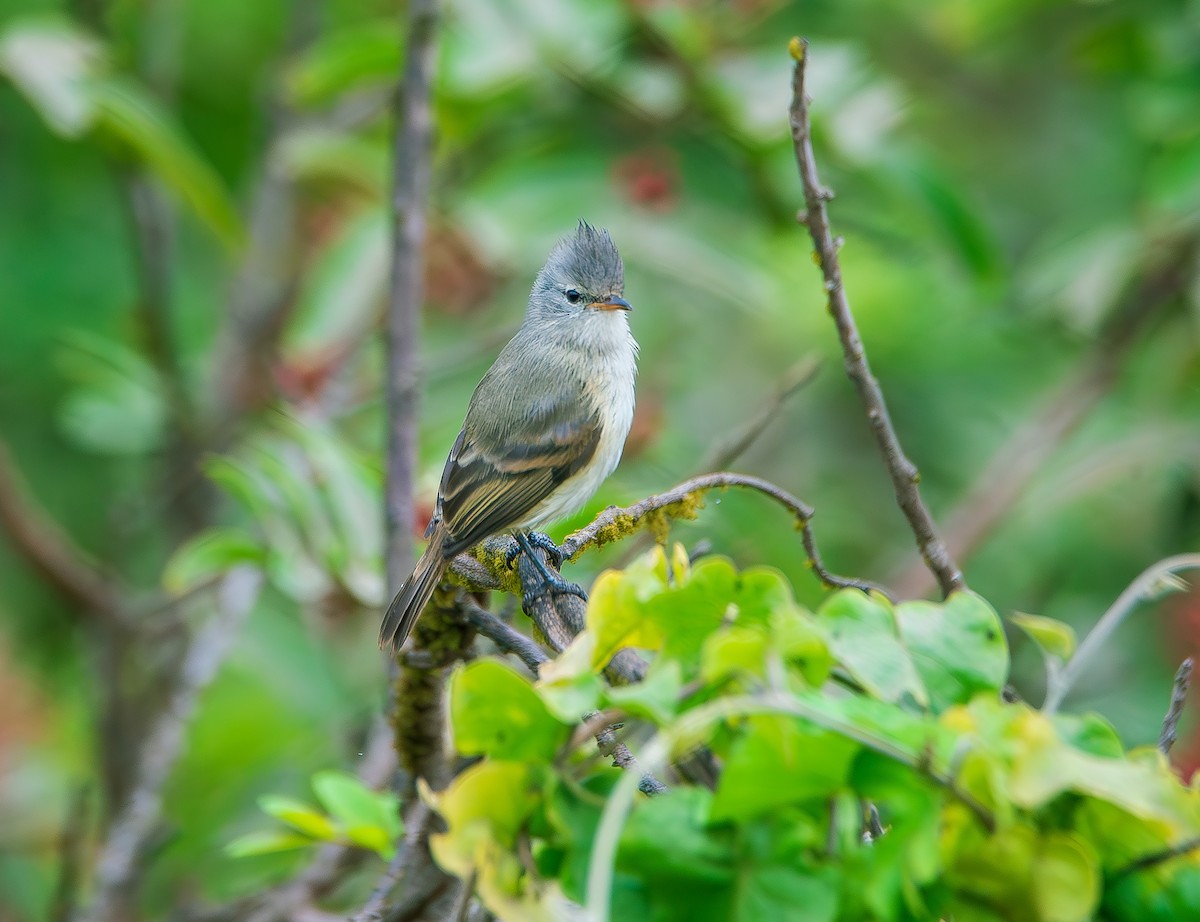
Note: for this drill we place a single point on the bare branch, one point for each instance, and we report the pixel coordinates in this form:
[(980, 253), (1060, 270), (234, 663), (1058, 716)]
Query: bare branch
[(411, 177), (49, 551), (1179, 693), (1186, 847), (416, 835), (724, 453), (119, 862), (71, 852), (903, 472), (507, 638), (1148, 583)]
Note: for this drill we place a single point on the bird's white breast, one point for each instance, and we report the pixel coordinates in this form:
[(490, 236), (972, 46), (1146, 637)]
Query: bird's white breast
[(610, 392)]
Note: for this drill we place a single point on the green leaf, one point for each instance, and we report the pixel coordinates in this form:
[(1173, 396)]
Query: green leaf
[(207, 555), (1089, 732), (126, 112), (668, 837), (490, 800), (732, 652), (345, 59), (50, 62), (863, 638), (299, 816), (265, 843), (118, 406), (1054, 638), (343, 289), (785, 891), (761, 592), (656, 697), (355, 805), (958, 647), (801, 642), (495, 711), (1066, 879), (778, 761), (373, 837)]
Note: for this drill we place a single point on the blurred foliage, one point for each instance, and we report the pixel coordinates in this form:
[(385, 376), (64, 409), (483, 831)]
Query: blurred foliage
[(196, 244)]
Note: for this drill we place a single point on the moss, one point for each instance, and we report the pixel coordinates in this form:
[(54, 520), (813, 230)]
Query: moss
[(658, 521), (493, 555)]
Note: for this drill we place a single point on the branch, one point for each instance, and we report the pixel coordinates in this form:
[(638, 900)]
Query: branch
[(622, 758), (507, 638), (1179, 692), (725, 452), (903, 472), (120, 855), (71, 850), (49, 551), (1186, 847), (1152, 579), (561, 617), (684, 502), (416, 837), (410, 178)]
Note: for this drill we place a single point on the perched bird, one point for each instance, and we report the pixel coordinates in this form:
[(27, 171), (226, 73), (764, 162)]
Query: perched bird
[(545, 426)]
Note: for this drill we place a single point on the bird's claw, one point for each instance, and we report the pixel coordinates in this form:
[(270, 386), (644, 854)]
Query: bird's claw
[(552, 586), (539, 540)]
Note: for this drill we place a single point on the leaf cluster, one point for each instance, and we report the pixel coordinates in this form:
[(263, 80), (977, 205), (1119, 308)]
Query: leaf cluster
[(990, 810)]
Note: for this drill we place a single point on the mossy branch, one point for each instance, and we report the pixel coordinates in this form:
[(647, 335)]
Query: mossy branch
[(685, 502)]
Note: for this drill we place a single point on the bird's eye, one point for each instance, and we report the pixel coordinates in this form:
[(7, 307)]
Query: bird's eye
[(573, 296)]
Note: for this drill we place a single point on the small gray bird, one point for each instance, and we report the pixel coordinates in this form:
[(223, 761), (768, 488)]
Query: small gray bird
[(545, 426)]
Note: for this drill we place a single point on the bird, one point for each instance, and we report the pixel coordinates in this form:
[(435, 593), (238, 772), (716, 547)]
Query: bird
[(545, 426)]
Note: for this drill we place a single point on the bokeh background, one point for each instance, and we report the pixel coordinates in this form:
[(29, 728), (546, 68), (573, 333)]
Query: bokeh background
[(194, 239)]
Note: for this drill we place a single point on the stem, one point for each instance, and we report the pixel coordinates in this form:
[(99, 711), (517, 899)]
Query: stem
[(902, 471)]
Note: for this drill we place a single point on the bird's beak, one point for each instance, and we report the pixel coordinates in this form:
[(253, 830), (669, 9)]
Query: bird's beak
[(613, 304)]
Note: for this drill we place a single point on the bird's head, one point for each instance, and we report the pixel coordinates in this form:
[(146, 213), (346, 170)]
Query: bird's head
[(583, 276)]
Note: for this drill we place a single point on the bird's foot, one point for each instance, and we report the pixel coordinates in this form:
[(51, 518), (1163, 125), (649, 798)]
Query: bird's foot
[(551, 582), (552, 585), (535, 539)]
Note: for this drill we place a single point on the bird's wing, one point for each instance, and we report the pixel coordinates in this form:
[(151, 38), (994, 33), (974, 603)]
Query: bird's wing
[(493, 481)]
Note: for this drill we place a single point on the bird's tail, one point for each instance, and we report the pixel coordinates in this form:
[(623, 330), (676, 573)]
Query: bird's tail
[(414, 595)]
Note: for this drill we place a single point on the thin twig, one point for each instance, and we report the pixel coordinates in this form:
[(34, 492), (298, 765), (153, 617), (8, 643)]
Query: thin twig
[(1144, 586), (416, 831), (600, 531), (71, 847), (419, 697), (1179, 693), (50, 552), (725, 452), (463, 901), (1186, 847), (624, 759), (903, 472), (120, 855)]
